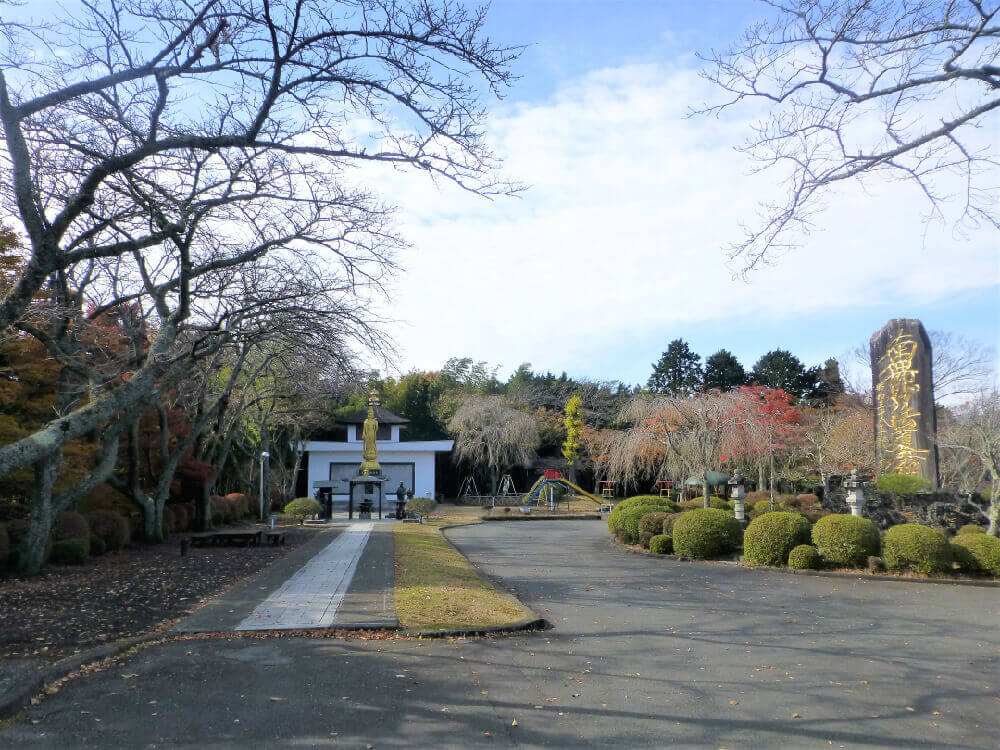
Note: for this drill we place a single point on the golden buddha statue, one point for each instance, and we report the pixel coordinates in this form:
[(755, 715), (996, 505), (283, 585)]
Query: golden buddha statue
[(369, 432)]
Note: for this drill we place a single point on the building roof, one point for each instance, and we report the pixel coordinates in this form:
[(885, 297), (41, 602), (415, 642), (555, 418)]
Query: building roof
[(383, 415)]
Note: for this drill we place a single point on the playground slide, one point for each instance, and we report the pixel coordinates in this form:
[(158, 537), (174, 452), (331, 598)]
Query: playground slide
[(536, 490)]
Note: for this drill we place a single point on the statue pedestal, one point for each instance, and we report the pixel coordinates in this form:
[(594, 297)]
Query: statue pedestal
[(365, 494)]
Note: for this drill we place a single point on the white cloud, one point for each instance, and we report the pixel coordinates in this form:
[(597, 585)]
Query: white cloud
[(619, 236)]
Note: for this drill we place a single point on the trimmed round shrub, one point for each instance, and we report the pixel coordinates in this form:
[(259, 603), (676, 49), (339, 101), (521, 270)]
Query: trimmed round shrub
[(629, 519), (302, 507), (964, 559), (720, 503), (652, 522), (242, 503), (971, 528), (706, 532), (656, 503), (661, 544), (803, 557), (648, 500), (70, 525), (911, 546), (770, 537), (982, 548), (219, 508), (668, 523), (644, 537), (70, 551), (97, 546), (846, 540), (4, 546), (109, 527), (169, 519), (421, 506)]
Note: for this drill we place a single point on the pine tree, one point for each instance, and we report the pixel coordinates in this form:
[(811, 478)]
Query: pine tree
[(784, 371), (724, 371), (678, 371)]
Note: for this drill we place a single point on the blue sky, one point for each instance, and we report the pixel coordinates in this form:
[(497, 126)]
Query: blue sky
[(617, 246), (609, 255)]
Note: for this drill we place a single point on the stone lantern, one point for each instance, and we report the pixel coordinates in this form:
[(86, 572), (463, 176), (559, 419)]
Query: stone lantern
[(855, 494), (737, 493)]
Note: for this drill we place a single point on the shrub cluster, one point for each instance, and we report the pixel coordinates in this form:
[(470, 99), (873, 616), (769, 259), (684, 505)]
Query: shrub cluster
[(971, 528), (771, 537), (110, 527), (70, 551), (302, 507), (668, 523), (846, 540), (644, 537), (421, 506), (803, 557), (980, 553), (653, 522), (628, 520), (706, 532), (650, 502), (70, 525), (922, 549), (661, 544)]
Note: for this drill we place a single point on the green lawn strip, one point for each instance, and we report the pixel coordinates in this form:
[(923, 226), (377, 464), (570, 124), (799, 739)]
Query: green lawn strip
[(436, 588)]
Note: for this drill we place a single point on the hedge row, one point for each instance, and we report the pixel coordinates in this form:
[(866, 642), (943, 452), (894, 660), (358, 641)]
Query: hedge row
[(781, 538)]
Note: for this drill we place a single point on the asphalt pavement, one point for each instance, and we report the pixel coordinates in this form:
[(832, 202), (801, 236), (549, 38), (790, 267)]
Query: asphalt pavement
[(645, 652)]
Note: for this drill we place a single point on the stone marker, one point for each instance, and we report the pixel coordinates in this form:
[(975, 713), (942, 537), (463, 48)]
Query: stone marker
[(905, 422)]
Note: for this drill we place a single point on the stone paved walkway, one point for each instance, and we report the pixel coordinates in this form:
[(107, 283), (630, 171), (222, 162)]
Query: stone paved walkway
[(343, 578), (311, 597)]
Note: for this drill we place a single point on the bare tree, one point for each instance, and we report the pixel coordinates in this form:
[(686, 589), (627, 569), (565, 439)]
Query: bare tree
[(859, 88), (837, 439), (976, 433), (491, 433), (159, 155)]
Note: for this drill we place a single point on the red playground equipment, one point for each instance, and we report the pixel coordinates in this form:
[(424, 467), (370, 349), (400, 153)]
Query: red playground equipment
[(664, 486), (608, 487)]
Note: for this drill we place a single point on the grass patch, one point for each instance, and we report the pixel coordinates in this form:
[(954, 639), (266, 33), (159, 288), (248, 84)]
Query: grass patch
[(437, 588)]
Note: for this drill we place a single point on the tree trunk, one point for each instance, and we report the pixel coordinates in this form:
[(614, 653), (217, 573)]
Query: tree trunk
[(770, 459), (760, 476), (825, 480), (705, 491), (43, 515), (493, 480), (994, 511)]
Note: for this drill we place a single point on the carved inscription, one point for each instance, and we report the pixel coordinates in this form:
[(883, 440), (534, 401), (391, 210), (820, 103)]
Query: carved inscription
[(897, 392)]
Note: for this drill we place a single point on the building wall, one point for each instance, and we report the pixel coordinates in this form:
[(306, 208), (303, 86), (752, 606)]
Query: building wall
[(419, 453)]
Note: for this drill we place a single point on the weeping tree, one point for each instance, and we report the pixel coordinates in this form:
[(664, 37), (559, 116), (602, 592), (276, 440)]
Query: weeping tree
[(492, 434), (688, 433)]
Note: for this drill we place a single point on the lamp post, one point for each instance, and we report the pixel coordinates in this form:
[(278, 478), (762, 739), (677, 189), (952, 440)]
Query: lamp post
[(263, 456), (737, 493), (855, 494)]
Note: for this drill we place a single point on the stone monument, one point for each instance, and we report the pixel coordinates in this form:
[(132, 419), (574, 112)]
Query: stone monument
[(903, 393)]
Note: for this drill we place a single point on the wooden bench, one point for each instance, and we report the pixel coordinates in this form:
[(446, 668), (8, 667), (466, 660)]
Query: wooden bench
[(245, 537)]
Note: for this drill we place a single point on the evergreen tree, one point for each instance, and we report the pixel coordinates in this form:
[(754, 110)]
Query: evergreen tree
[(724, 371), (782, 370), (678, 371), (830, 386)]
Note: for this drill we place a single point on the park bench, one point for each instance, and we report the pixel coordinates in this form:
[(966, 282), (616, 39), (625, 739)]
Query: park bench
[(245, 537), (274, 537)]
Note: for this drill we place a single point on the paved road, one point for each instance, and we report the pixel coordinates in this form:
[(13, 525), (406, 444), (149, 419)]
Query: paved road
[(646, 652)]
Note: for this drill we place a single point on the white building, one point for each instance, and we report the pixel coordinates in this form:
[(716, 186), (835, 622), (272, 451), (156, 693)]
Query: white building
[(330, 464)]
